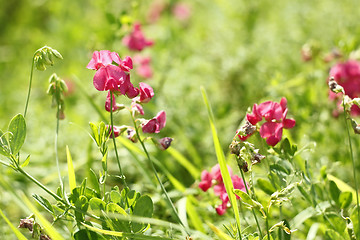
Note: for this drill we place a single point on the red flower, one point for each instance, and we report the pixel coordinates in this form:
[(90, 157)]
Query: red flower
[(347, 75), (136, 40), (155, 124)]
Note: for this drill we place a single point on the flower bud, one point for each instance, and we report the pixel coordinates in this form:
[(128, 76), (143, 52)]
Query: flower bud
[(335, 87), (164, 143), (27, 223)]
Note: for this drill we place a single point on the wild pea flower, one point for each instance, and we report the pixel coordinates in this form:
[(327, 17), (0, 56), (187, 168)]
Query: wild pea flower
[(118, 130), (275, 116), (146, 93), (208, 179), (155, 124), (103, 58), (136, 41), (347, 75)]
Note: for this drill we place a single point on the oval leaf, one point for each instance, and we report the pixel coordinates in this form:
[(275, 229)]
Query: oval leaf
[(345, 199), (17, 129)]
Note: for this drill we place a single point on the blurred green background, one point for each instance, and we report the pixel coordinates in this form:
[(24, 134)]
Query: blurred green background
[(242, 52)]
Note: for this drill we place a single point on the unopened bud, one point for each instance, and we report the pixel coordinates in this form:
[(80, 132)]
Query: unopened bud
[(27, 223), (131, 135), (335, 87), (164, 143), (256, 158), (235, 147)]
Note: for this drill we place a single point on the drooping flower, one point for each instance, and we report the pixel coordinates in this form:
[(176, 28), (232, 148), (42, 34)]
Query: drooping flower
[(206, 181), (155, 124), (164, 143), (146, 92), (103, 58), (347, 75), (137, 108), (118, 130), (136, 41)]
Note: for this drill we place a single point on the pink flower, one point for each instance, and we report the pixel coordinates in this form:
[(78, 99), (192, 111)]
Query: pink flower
[(216, 173), (136, 40), (102, 59), (206, 181), (109, 78), (146, 92), (155, 124), (117, 131), (126, 64), (347, 75), (275, 116), (137, 108), (108, 103)]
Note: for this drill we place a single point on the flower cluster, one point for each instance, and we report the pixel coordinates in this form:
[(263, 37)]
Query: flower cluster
[(347, 75), (113, 75), (275, 120), (214, 178)]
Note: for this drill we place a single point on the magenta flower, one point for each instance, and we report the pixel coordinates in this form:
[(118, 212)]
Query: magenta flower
[(164, 143), (137, 108), (216, 173), (347, 75), (146, 92), (126, 65), (136, 40), (103, 58), (117, 131), (206, 181), (108, 103), (275, 116), (155, 124)]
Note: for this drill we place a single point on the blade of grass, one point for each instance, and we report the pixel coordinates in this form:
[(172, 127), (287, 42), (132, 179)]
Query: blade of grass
[(183, 161), (54, 234), (18, 234), (71, 171), (123, 234), (219, 233), (221, 159)]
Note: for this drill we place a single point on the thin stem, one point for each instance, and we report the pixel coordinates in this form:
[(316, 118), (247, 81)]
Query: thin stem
[(19, 169), (253, 211), (353, 163), (157, 177), (113, 137), (29, 90), (56, 147)]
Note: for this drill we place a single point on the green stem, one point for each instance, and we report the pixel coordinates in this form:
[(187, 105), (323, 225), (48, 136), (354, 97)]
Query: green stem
[(113, 137), (267, 225), (56, 147), (157, 177), (29, 90), (353, 163), (253, 211), (19, 169)]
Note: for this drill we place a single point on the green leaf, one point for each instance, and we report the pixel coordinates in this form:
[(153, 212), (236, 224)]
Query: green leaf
[(16, 231), (44, 203), (17, 129), (85, 234), (345, 199), (304, 193), (95, 133), (332, 235), (97, 204), (355, 220), (221, 160), (266, 186), (26, 162), (334, 191), (94, 180), (193, 215), (245, 198), (4, 145), (115, 196), (71, 171), (342, 185), (143, 208), (336, 222)]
